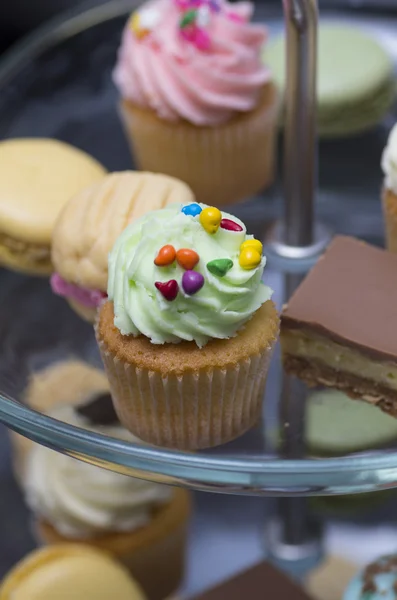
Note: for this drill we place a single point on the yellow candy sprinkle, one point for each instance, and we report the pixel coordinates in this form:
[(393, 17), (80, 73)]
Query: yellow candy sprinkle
[(253, 243), (135, 23), (249, 258), (136, 26), (210, 219)]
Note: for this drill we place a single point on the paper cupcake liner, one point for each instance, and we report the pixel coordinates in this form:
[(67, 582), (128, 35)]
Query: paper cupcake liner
[(199, 409), (390, 218), (222, 164)]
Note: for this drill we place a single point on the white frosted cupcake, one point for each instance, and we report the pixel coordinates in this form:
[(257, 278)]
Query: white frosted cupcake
[(197, 102), (142, 524), (389, 167), (69, 382)]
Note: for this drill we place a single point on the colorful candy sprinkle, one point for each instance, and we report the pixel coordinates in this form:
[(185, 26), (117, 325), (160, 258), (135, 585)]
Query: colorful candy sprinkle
[(196, 36), (187, 259), (192, 282), (210, 219), (219, 266), (169, 289), (233, 16), (192, 210), (193, 23), (188, 18), (249, 258), (203, 16), (230, 225), (187, 4), (253, 243), (143, 22), (165, 256)]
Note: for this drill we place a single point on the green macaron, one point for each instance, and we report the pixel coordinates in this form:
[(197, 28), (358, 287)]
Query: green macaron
[(337, 425), (356, 86)]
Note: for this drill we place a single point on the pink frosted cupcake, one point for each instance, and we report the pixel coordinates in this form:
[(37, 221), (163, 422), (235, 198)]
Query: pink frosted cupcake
[(197, 102)]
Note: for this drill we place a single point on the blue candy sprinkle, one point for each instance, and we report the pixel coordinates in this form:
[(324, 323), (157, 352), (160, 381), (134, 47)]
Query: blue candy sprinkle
[(192, 210)]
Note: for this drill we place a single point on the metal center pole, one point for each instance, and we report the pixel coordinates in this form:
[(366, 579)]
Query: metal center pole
[(293, 247), (300, 121)]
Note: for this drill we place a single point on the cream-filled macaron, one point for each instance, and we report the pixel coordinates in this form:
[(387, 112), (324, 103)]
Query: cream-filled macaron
[(90, 223), (68, 572), (37, 178)]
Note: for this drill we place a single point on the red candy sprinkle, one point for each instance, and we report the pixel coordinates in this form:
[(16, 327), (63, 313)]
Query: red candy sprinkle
[(169, 289), (230, 225)]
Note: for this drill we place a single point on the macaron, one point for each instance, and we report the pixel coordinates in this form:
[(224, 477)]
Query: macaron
[(356, 85), (69, 571), (37, 178), (89, 225), (336, 426)]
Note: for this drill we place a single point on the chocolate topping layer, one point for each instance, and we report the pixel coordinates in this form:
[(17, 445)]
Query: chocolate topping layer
[(350, 296), (259, 582), (98, 410)]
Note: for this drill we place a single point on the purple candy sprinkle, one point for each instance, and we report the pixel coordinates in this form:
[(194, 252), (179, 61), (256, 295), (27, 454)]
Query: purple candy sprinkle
[(192, 282)]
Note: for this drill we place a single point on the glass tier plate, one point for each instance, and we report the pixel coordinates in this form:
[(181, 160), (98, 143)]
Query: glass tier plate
[(57, 83)]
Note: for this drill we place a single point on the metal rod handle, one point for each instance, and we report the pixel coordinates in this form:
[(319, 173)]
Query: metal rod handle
[(300, 121), (294, 540)]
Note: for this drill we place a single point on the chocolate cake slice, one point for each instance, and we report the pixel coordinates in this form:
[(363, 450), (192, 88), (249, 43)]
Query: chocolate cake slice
[(259, 582), (339, 329)]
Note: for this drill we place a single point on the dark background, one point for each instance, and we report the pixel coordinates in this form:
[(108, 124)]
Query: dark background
[(20, 16)]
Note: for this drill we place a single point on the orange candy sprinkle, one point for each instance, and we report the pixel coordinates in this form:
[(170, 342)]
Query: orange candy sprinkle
[(165, 256), (187, 258)]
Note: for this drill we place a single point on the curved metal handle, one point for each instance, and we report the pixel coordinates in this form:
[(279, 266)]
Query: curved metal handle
[(296, 545), (300, 121)]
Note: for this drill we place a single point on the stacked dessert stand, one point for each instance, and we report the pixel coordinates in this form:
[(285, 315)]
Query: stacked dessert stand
[(250, 465)]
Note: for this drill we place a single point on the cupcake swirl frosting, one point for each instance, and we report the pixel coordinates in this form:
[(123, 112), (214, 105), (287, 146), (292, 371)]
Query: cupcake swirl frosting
[(82, 500), (389, 161), (201, 293), (198, 60)]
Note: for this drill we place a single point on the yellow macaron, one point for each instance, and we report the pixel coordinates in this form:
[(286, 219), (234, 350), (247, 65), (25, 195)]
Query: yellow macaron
[(69, 571), (37, 178)]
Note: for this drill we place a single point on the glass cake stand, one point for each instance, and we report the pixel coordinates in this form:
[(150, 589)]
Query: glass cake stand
[(57, 83)]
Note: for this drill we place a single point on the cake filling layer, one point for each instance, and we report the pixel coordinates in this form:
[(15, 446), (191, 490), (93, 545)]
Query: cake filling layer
[(35, 253), (315, 373), (312, 347), (86, 297)]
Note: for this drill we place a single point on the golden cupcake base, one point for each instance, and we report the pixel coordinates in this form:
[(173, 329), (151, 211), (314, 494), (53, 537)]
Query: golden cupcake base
[(222, 164), (182, 396)]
